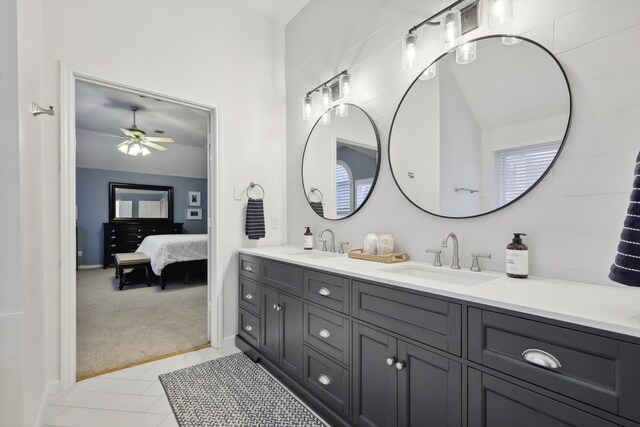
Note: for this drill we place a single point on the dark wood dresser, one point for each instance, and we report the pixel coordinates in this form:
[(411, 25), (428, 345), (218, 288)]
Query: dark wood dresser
[(124, 236)]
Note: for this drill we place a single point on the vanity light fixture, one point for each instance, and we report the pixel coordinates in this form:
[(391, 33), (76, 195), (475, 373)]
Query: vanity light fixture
[(340, 84), (430, 72), (466, 53), (500, 13), (458, 18)]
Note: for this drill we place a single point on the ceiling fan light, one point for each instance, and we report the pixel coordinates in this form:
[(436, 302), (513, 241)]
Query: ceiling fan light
[(145, 151), (135, 149), (124, 148)]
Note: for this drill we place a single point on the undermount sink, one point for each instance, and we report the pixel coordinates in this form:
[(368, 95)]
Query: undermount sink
[(456, 277), (311, 254)]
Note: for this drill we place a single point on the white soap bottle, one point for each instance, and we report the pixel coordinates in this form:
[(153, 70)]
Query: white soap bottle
[(517, 258)]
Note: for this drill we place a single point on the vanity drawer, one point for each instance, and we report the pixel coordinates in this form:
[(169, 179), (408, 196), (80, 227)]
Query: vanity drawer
[(327, 332), (249, 295), (428, 320), (599, 371), (285, 277), (327, 380), (249, 327), (328, 290), (249, 267)]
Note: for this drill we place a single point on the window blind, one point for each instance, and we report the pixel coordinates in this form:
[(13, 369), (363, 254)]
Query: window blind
[(517, 169), (343, 191), (363, 187)]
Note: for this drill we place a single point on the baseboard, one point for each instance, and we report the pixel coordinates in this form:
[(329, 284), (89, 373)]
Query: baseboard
[(50, 389), (89, 267)]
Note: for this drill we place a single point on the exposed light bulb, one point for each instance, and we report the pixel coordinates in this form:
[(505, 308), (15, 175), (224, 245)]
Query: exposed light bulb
[(430, 72), (510, 41), (451, 28), (326, 118), (327, 98), (409, 50), (466, 53), (307, 108), (342, 110), (500, 13), (344, 83)]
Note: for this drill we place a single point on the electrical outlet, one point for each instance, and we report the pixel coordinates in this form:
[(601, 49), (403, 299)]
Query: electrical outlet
[(274, 221), (237, 193), (79, 253)]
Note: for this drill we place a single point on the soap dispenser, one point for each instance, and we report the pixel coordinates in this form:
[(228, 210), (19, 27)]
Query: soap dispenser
[(308, 239), (517, 258)]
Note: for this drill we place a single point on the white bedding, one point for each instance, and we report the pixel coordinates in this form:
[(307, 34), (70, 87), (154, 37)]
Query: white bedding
[(165, 249)]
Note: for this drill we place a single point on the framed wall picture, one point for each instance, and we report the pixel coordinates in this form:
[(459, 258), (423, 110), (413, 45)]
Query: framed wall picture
[(194, 198), (194, 214)]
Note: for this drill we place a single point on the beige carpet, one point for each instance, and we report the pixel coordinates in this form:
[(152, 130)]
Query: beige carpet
[(116, 328)]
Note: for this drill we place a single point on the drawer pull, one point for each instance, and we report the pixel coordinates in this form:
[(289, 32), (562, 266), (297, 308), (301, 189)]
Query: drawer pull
[(139, 237), (113, 246), (391, 361), (541, 358), (324, 380), (324, 333), (276, 307), (400, 366), (249, 268), (324, 292), (248, 296), (113, 237), (248, 328)]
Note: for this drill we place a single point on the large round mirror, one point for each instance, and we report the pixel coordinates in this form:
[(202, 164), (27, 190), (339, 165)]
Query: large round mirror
[(340, 164), (473, 136)]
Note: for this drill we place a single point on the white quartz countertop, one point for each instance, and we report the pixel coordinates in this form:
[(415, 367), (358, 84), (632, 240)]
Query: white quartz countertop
[(614, 308)]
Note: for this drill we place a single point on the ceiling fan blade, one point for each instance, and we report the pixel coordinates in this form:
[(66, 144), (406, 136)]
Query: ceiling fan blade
[(123, 143), (127, 132), (152, 145), (159, 139)]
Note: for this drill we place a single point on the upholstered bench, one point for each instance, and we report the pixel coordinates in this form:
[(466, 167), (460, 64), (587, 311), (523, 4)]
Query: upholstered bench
[(132, 260)]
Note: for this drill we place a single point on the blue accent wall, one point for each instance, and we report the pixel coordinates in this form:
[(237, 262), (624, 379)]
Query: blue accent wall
[(92, 198)]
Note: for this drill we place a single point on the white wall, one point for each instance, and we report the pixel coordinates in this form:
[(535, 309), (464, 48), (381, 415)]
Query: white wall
[(11, 303), (574, 217), (213, 53)]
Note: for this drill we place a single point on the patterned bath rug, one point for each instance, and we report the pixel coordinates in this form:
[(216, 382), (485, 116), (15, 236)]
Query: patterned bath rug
[(232, 391)]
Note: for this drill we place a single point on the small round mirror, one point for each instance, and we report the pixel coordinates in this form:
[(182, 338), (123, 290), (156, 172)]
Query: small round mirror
[(473, 136), (340, 163)]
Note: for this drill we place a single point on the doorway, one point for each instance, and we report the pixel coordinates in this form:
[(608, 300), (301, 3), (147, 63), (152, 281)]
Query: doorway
[(194, 207)]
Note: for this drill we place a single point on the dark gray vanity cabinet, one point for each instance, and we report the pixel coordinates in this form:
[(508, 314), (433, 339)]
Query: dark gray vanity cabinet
[(397, 383)]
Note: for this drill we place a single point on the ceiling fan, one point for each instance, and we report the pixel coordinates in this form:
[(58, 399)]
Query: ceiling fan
[(139, 141)]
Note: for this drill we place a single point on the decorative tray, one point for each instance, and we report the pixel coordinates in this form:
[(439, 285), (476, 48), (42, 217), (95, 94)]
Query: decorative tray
[(387, 259)]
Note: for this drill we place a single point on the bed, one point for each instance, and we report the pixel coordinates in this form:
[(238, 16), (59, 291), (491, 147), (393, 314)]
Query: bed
[(175, 253)]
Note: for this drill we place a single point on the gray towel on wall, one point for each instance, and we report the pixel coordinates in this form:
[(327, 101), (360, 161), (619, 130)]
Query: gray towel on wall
[(254, 225), (626, 266), (318, 208)]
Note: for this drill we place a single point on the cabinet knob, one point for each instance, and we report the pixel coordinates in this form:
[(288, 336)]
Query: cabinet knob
[(400, 366), (139, 237), (154, 230), (324, 333), (324, 380), (248, 296), (541, 358), (391, 361), (248, 328), (249, 268), (139, 230), (324, 291)]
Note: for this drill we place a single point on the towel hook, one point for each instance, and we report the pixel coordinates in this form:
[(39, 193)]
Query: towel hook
[(314, 190), (253, 185), (36, 110)]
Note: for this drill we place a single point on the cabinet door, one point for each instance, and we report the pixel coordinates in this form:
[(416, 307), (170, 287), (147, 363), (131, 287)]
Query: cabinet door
[(270, 325), (291, 329), (497, 403), (375, 387), (429, 388)]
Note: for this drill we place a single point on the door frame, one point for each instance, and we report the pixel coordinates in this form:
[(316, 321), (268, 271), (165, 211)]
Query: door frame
[(68, 77)]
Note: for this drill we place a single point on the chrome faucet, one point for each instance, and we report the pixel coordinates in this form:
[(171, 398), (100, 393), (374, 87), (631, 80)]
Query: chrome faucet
[(333, 240), (455, 261)]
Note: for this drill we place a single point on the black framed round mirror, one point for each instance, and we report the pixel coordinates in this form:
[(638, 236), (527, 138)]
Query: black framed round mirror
[(340, 163), (475, 133)]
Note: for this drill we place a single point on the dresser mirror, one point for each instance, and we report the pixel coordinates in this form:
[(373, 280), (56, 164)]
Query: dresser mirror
[(340, 164), (470, 138), (137, 202)]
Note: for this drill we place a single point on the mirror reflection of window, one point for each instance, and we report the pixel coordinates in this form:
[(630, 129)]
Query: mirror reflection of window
[(344, 186)]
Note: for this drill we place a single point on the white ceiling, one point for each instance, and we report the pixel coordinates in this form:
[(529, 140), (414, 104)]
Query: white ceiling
[(281, 11), (103, 110)]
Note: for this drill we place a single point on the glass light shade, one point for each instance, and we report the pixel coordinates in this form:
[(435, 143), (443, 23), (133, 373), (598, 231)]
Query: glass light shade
[(430, 72), (409, 51), (327, 98), (307, 108), (326, 118), (124, 148), (135, 149), (451, 29), (145, 151), (500, 13), (466, 53), (510, 41), (342, 110), (345, 85)]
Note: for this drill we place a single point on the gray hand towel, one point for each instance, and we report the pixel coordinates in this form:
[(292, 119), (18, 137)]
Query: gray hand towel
[(254, 225)]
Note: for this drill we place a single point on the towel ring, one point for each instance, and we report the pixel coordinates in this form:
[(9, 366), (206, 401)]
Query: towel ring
[(313, 190), (253, 185)]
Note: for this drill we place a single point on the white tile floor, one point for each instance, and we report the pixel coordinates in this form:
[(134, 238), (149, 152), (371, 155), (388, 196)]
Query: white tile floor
[(131, 397)]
